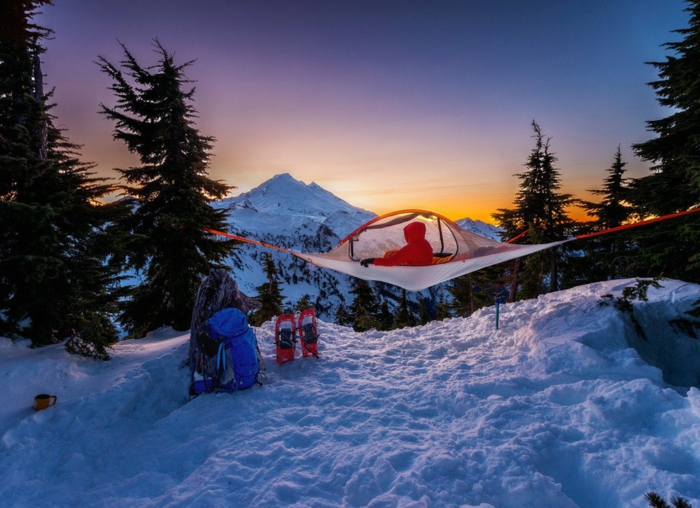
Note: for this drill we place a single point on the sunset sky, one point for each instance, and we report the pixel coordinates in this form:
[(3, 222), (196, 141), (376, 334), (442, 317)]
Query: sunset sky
[(387, 104)]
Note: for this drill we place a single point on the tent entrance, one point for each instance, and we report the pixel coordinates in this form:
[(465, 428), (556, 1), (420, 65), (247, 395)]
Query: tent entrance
[(385, 234)]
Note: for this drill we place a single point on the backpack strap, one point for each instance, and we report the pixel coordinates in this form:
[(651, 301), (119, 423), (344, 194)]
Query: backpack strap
[(221, 358)]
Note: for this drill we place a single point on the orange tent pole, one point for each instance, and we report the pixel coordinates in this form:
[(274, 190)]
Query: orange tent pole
[(398, 212)]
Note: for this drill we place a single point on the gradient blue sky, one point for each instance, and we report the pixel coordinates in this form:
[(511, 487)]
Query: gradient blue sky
[(388, 104)]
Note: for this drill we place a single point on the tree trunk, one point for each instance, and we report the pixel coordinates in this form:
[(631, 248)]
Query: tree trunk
[(553, 275), (43, 133), (514, 281)]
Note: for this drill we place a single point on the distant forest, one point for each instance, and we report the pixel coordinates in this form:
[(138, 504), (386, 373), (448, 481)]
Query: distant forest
[(64, 251)]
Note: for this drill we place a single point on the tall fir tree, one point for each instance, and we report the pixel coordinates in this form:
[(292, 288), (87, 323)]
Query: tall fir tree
[(303, 303), (342, 316), (672, 248), (386, 317), (541, 209), (364, 308), (404, 315), (608, 256), (269, 294), (423, 311), (442, 310), (172, 191), (53, 278), (462, 292), (614, 209), (473, 291)]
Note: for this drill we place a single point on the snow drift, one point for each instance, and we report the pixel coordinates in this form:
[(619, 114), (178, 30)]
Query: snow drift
[(554, 409)]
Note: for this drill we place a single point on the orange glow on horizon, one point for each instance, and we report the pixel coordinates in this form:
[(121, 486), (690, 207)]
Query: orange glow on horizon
[(452, 205)]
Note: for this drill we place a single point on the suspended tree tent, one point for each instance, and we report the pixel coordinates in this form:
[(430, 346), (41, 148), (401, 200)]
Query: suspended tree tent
[(456, 251)]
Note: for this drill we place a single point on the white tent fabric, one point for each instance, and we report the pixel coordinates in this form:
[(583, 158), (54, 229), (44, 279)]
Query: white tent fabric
[(417, 278), (457, 251)]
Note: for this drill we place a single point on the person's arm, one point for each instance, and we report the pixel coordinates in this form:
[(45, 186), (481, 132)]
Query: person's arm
[(400, 257)]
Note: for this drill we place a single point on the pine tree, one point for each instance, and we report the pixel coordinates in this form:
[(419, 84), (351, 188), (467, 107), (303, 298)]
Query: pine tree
[(423, 312), (171, 189), (473, 291), (343, 317), (269, 294), (541, 209), (53, 278), (364, 308), (386, 318), (461, 290), (613, 210), (404, 316), (610, 256), (476, 290), (303, 303), (443, 310), (672, 248), (656, 501)]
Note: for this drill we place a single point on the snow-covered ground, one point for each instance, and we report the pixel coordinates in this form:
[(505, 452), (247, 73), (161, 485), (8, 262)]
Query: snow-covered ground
[(554, 409)]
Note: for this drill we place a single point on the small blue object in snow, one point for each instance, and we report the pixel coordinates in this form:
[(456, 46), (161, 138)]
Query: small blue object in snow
[(499, 300)]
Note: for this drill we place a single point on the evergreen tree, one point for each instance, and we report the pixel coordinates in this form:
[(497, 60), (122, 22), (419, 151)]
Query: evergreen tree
[(343, 317), (303, 303), (386, 318), (404, 316), (321, 303), (171, 190), (443, 310), (541, 209), (53, 278), (672, 248), (614, 209), (608, 256), (656, 501), (423, 313), (461, 290), (364, 308), (269, 294), (475, 290)]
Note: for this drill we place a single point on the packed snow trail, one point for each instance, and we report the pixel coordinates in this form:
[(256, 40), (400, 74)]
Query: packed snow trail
[(553, 410)]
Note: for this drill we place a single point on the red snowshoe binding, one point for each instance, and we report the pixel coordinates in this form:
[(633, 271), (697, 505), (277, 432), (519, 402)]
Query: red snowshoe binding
[(284, 338), (308, 333)]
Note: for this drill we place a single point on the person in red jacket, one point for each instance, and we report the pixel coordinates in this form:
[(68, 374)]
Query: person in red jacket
[(417, 251)]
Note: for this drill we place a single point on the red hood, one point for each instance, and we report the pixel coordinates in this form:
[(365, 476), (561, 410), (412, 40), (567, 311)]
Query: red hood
[(414, 231)]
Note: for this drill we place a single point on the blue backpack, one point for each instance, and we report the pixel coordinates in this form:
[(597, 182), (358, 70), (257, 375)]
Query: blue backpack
[(226, 354)]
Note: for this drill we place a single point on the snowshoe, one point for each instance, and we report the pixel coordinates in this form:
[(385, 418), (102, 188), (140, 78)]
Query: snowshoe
[(284, 338), (308, 333)]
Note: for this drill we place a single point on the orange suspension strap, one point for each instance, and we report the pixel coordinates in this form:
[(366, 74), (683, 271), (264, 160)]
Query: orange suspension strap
[(247, 240), (640, 223), (620, 228)]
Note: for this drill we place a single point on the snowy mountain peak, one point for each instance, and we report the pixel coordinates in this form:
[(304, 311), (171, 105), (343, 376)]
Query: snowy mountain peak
[(285, 195), (283, 182), (480, 228)]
